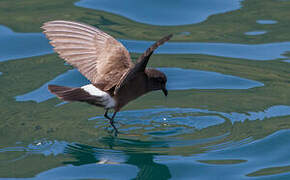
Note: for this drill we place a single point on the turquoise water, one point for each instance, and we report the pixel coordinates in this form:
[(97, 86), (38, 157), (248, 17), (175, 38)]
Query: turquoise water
[(156, 141)]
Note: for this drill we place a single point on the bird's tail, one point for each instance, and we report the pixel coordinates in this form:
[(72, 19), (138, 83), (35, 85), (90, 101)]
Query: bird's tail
[(75, 94), (65, 93)]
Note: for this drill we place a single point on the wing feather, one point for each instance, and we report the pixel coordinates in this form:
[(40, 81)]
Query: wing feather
[(69, 31), (64, 26), (97, 55), (141, 63), (69, 36)]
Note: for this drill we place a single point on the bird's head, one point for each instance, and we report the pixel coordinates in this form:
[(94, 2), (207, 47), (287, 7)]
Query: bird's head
[(156, 80)]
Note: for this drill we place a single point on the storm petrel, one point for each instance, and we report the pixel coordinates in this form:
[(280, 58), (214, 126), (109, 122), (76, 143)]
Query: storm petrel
[(115, 79)]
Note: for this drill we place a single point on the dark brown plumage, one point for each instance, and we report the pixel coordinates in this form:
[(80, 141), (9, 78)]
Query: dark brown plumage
[(115, 79)]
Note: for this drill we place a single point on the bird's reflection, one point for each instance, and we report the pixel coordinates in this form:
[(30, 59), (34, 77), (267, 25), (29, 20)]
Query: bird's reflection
[(148, 169)]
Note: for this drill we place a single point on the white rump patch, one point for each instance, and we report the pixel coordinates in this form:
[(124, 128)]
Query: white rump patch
[(109, 102)]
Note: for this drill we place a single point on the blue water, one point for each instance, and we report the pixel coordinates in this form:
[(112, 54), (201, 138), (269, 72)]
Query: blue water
[(88, 171), (178, 79), (257, 154), (253, 33), (266, 21), (71, 78), (167, 12), (268, 51), (184, 33), (20, 45)]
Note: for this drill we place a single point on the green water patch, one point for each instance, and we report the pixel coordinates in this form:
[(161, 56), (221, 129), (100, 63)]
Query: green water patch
[(29, 15), (270, 171)]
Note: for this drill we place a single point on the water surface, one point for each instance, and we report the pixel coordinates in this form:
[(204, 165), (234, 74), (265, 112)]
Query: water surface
[(163, 142), (186, 116), (166, 144), (163, 12), (266, 21), (269, 51), (178, 79), (20, 45), (258, 155), (254, 33)]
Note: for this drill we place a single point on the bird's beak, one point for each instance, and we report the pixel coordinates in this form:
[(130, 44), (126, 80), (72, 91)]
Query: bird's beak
[(165, 91)]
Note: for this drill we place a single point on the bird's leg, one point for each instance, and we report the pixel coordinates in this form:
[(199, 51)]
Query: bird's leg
[(112, 122), (106, 114), (111, 119)]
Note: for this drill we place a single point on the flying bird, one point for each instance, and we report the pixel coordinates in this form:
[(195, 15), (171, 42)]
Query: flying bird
[(115, 79)]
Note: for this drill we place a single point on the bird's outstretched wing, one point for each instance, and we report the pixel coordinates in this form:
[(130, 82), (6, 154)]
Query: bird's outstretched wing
[(141, 64), (97, 55)]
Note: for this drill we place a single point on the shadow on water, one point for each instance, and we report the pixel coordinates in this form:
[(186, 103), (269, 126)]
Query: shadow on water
[(244, 159), (147, 168), (111, 155)]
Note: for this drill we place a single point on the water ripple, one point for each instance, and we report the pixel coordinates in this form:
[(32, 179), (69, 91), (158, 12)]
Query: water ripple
[(186, 116)]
